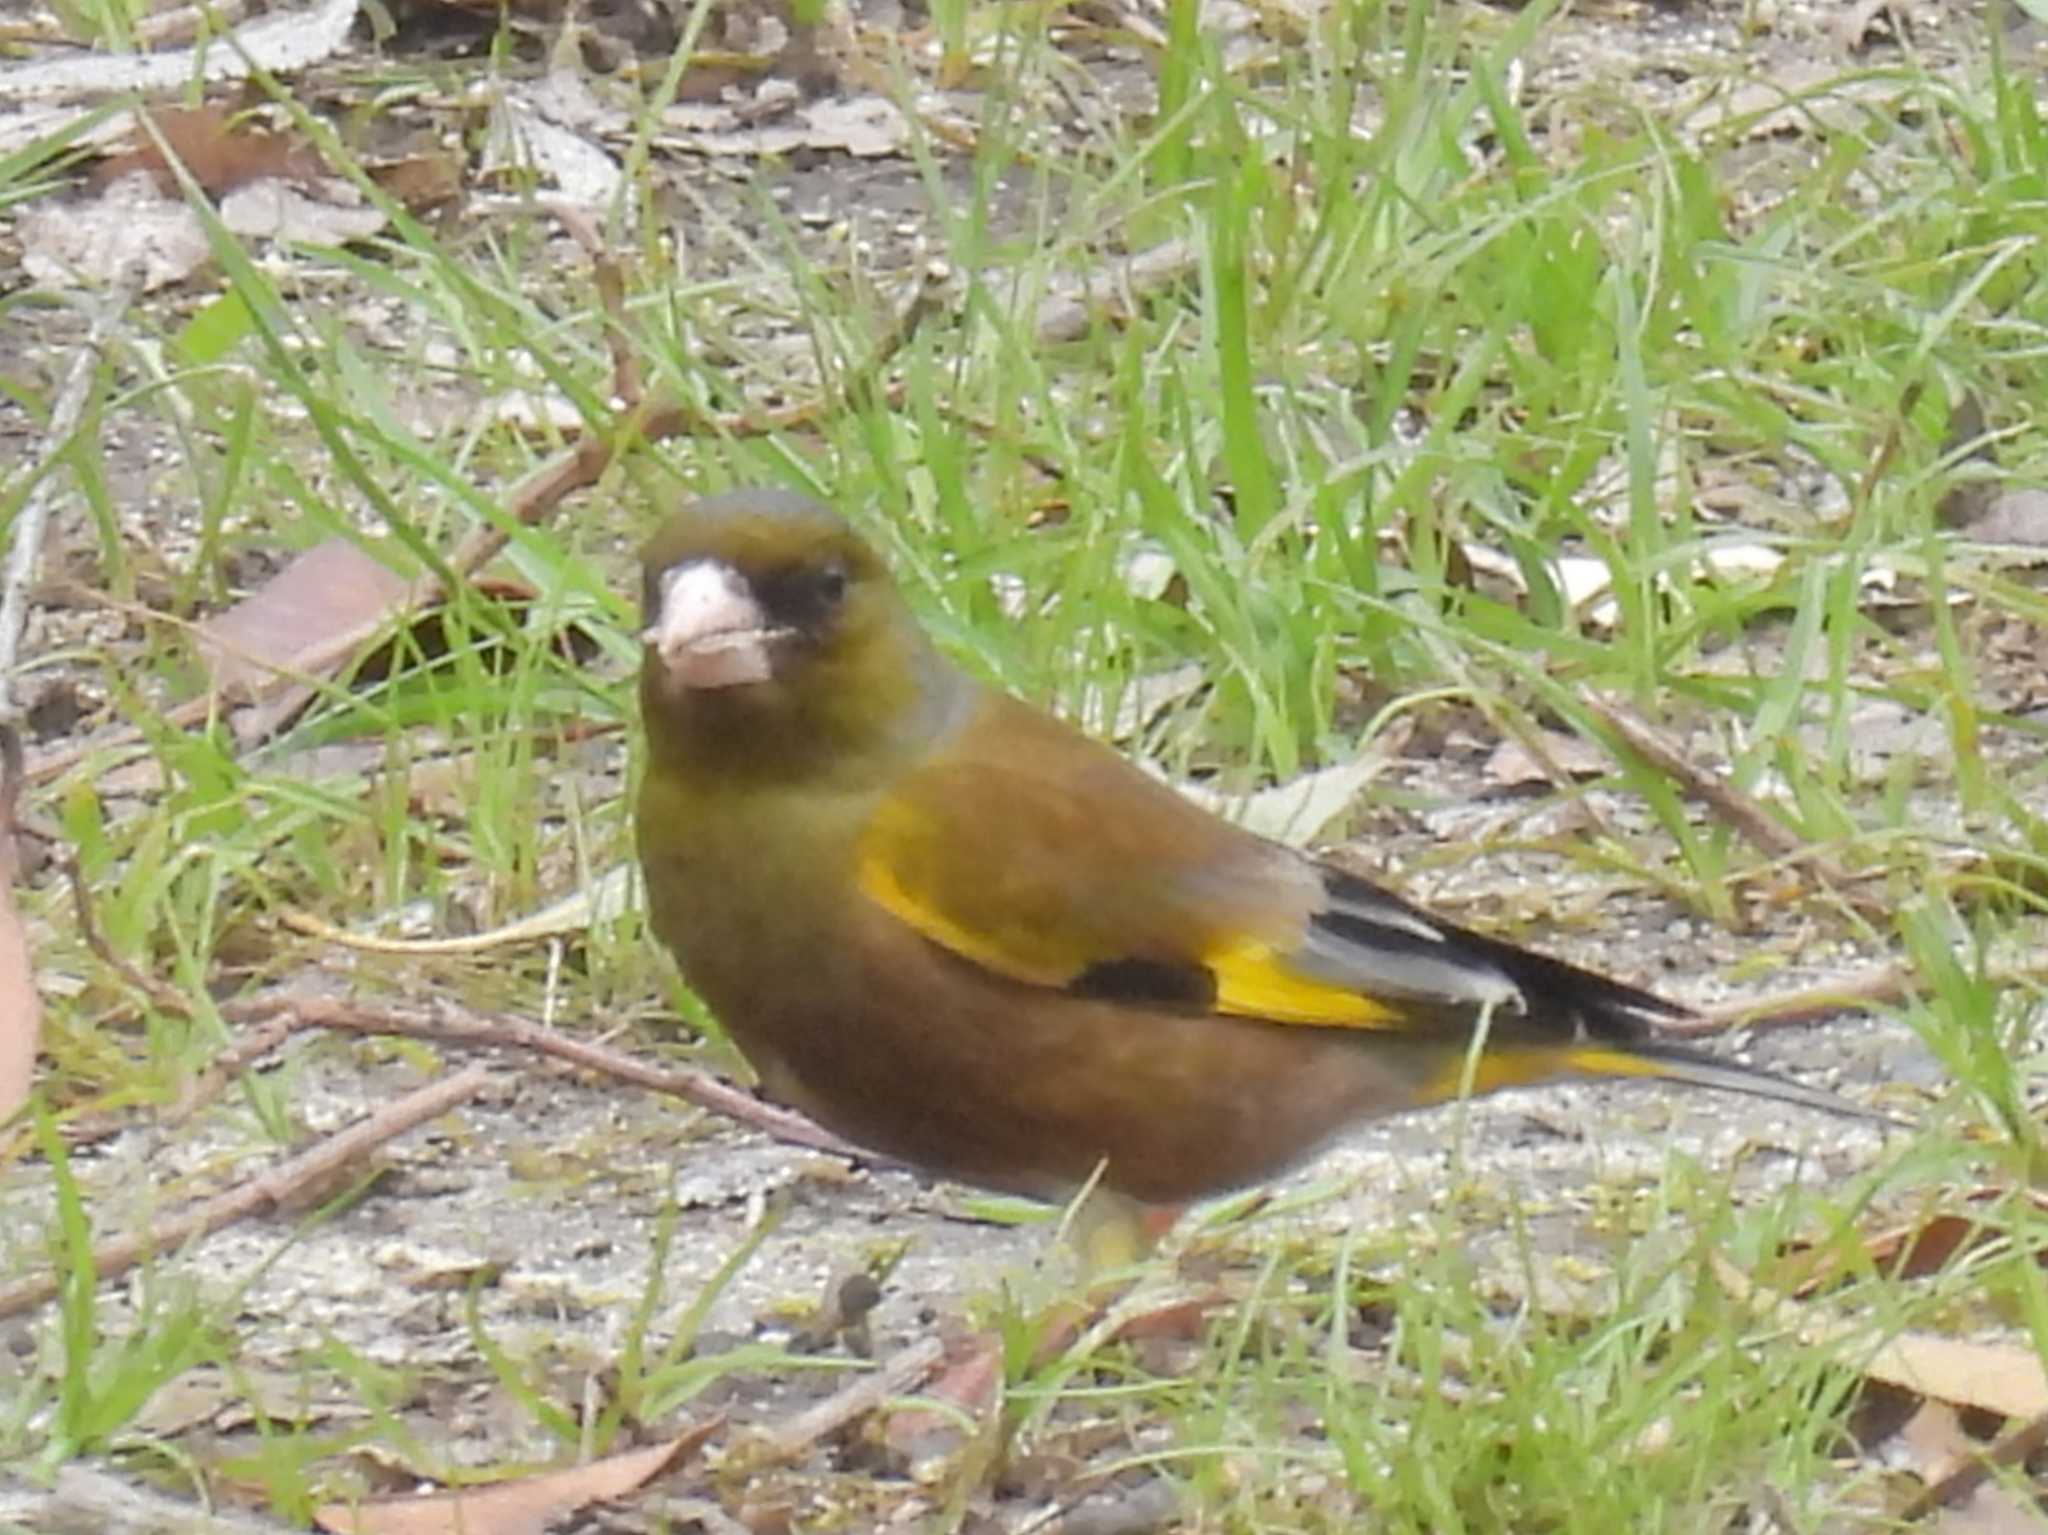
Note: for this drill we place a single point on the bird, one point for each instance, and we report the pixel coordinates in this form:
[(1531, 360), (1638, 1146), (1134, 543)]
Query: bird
[(963, 934)]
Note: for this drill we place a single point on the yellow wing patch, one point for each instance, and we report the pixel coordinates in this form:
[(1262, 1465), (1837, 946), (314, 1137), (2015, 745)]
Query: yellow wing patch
[(1013, 952), (1522, 1067), (1254, 981), (1037, 931), (907, 863)]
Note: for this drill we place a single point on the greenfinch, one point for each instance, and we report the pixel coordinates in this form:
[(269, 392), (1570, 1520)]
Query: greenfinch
[(961, 932)]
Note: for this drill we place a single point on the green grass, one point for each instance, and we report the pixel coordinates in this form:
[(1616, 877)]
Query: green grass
[(1478, 319)]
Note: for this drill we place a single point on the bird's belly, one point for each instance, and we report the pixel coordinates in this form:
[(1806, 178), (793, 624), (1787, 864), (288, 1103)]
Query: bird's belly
[(902, 1046)]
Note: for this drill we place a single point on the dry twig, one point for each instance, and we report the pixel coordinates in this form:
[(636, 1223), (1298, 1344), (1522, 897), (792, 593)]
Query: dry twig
[(901, 1372), (445, 1024), (1807, 1004), (268, 1190), (82, 1501), (33, 519), (159, 991), (2014, 1449), (1745, 814)]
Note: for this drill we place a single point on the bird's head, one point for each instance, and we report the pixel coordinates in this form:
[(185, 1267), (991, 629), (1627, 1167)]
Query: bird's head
[(775, 642)]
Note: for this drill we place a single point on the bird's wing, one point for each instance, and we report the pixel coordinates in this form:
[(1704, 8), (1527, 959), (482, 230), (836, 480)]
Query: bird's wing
[(1047, 859)]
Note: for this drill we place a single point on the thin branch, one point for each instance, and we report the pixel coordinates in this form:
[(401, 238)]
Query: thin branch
[(1806, 1004), (2014, 1449), (901, 1372), (447, 1025), (84, 1499), (269, 1190), (34, 517), (1748, 816), (159, 991)]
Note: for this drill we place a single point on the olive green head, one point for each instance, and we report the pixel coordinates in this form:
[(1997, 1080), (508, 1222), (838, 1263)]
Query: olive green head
[(776, 644)]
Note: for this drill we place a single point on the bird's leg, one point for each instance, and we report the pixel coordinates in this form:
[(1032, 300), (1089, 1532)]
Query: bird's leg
[(1112, 1231)]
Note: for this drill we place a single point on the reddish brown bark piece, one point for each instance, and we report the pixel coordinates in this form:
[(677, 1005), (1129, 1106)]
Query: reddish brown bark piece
[(333, 588), (524, 1507), (218, 152)]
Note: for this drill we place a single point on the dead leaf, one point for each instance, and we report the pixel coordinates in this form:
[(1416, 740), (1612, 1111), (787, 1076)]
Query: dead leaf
[(2015, 516), (137, 228), (862, 126), (1178, 1319), (605, 899), (128, 234), (1933, 1442), (1965, 1502), (283, 43), (212, 1395), (421, 182), (1939, 1451), (291, 628), (1514, 766), (1922, 1247), (540, 130), (2004, 1378), (277, 210), (1988, 1510), (1807, 97), (523, 1507), (1296, 812), (1856, 26), (964, 1393), (1998, 1377), (218, 149), (1123, 712)]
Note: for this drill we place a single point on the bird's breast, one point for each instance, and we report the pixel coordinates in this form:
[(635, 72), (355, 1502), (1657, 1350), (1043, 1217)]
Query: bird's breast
[(904, 1046)]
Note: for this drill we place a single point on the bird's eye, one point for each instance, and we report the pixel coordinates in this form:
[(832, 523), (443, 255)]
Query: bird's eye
[(832, 583)]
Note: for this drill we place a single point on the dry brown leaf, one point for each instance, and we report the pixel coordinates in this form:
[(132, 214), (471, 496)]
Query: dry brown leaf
[(422, 181), (966, 1391), (1514, 766), (1998, 1377), (283, 43), (1987, 1511), (523, 1507), (1938, 1449), (218, 151), (332, 588), (306, 622), (136, 227), (863, 126), (2003, 1378), (1299, 811), (1922, 1247), (1934, 1441), (1965, 1499), (526, 137)]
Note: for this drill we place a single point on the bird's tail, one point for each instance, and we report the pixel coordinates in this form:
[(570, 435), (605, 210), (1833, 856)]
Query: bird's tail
[(1660, 1061)]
